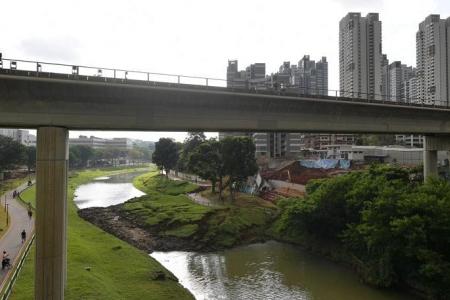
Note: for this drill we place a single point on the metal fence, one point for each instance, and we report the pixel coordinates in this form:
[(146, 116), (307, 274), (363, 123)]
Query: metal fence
[(261, 86), (12, 279)]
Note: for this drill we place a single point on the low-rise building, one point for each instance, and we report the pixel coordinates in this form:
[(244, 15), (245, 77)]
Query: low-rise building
[(19, 135)]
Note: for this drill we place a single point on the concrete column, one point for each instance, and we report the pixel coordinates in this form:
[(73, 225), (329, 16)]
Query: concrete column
[(51, 212), (429, 163)]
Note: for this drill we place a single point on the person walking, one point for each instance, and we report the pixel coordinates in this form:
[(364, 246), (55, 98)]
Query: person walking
[(5, 260), (30, 213), (23, 234)]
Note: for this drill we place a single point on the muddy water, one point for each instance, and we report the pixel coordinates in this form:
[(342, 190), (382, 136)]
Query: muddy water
[(267, 271)]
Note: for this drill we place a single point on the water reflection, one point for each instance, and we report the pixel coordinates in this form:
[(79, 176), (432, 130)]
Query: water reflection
[(267, 271), (106, 191)]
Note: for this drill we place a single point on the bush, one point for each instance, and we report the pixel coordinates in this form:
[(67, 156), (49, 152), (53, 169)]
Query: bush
[(395, 230)]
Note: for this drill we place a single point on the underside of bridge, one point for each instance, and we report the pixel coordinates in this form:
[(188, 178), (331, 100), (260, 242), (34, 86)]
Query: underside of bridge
[(55, 106)]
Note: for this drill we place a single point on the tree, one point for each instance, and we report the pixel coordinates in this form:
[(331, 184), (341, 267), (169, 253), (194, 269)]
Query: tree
[(80, 155), (12, 153), (31, 157), (193, 140), (165, 155), (206, 161), (238, 155), (135, 154)]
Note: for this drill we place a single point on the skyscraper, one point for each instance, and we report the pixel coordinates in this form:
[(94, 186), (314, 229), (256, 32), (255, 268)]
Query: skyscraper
[(310, 77), (235, 78), (433, 63), (360, 56), (398, 86)]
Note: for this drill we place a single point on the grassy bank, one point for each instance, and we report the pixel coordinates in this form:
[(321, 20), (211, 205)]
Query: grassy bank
[(167, 212), (117, 270)]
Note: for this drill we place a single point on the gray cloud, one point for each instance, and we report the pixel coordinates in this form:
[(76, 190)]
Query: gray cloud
[(59, 48), (362, 4)]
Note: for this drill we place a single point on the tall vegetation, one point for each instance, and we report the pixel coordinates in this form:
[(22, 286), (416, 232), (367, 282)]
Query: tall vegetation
[(12, 153), (193, 140), (232, 158), (165, 155), (82, 156), (395, 230)]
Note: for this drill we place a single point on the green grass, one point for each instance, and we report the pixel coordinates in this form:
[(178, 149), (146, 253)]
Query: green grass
[(11, 184), (165, 204), (117, 270), (167, 211), (154, 182), (3, 226), (29, 196)]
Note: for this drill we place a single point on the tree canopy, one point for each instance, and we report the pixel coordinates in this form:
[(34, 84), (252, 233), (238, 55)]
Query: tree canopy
[(396, 230), (12, 153), (232, 157), (238, 154), (165, 155), (206, 161), (193, 140)]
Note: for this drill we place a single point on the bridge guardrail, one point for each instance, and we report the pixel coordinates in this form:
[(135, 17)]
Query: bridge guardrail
[(12, 277), (262, 86)]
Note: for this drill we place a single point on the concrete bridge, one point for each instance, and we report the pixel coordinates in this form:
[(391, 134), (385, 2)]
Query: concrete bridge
[(55, 103)]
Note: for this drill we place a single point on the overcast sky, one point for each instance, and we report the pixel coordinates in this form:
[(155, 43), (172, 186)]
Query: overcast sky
[(198, 37)]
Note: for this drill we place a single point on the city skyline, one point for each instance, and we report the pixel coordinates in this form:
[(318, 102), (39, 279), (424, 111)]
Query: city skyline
[(180, 49)]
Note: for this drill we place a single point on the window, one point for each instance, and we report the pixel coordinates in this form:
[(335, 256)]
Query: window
[(431, 50)]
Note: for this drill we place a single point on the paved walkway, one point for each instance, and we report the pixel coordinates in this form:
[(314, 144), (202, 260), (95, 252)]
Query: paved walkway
[(197, 198), (18, 220)]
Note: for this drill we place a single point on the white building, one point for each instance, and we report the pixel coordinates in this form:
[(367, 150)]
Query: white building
[(433, 63), (20, 135), (278, 144), (100, 143), (399, 81), (409, 140), (360, 56)]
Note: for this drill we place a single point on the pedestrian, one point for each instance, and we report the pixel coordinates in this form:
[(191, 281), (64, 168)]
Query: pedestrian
[(30, 213), (24, 236), (5, 260), (14, 194)]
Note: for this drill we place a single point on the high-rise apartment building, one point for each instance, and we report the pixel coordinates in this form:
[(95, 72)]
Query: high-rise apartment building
[(235, 78), (256, 76), (385, 77), (398, 85), (433, 62), (360, 56), (310, 77), (278, 144)]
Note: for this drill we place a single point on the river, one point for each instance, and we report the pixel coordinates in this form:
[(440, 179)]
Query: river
[(269, 270)]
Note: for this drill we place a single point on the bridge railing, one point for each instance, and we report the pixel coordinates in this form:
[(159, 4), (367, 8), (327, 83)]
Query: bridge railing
[(14, 274), (262, 86)]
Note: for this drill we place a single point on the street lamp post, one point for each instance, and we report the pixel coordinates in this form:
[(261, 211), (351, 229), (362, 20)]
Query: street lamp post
[(7, 216)]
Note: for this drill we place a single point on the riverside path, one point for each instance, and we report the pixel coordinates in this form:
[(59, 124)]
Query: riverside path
[(18, 220)]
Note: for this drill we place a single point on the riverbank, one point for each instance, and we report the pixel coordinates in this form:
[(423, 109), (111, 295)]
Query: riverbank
[(100, 266), (323, 223), (166, 219)]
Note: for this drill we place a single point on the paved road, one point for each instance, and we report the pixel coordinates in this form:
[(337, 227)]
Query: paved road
[(19, 220)]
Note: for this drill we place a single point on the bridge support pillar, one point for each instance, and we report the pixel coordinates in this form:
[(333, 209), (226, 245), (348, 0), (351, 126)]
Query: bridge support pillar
[(51, 212), (431, 146), (430, 163)]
